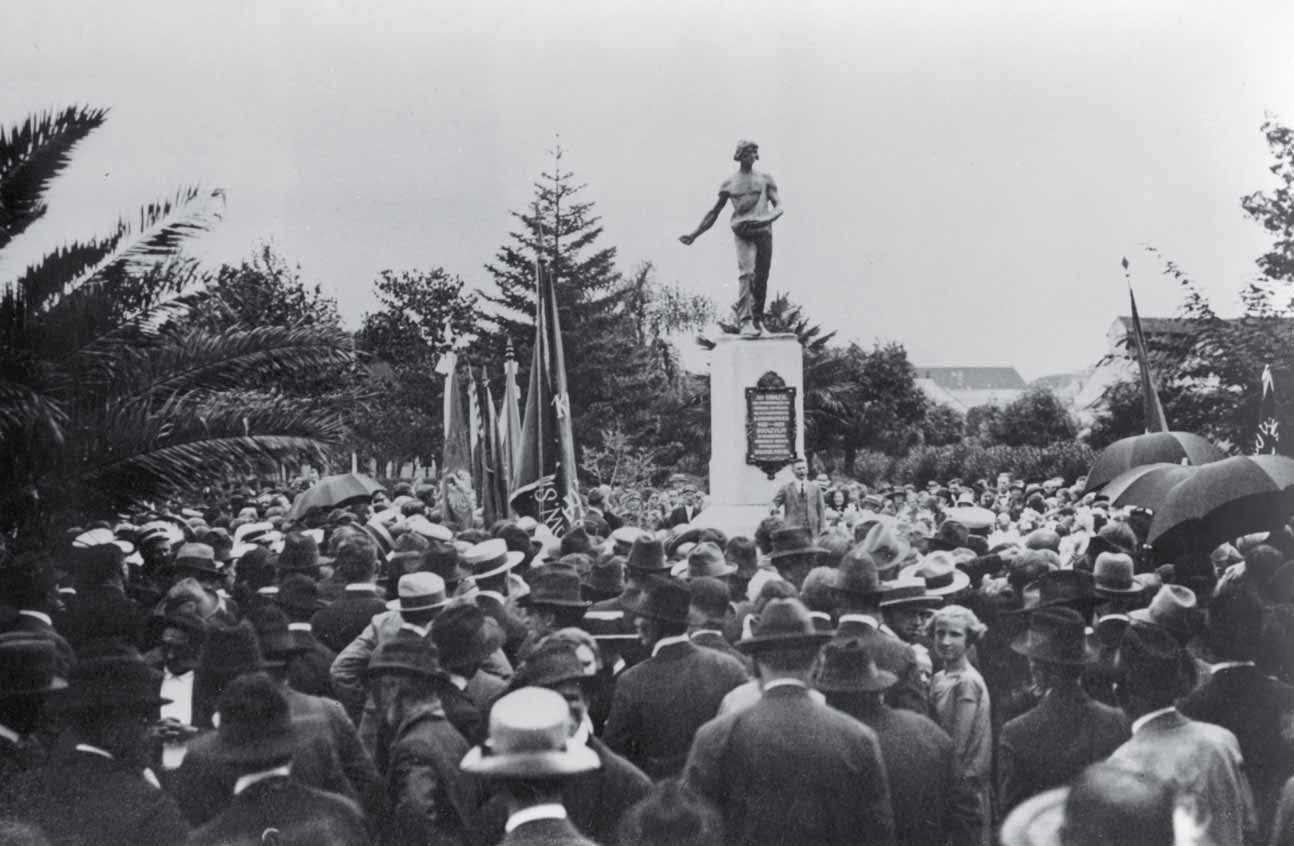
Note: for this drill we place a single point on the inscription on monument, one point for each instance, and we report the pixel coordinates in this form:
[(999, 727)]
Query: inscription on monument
[(770, 424)]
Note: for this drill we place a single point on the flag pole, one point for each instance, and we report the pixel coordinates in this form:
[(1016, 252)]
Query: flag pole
[(1154, 410)]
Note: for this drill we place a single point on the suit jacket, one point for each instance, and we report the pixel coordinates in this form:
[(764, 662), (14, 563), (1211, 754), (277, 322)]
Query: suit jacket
[(428, 800), (659, 704), (515, 631), (802, 509), (342, 621), (300, 813), (1201, 761), (309, 671), (545, 833), (933, 803), (680, 516), (97, 614), (893, 655), (716, 641), (1259, 711), (596, 801), (204, 786), (82, 799), (1055, 741), (355, 761), (1283, 824), (790, 770)]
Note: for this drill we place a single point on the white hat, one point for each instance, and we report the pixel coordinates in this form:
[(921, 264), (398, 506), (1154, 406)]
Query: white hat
[(491, 557)]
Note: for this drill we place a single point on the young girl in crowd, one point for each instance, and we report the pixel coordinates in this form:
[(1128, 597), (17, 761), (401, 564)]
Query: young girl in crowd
[(959, 701)]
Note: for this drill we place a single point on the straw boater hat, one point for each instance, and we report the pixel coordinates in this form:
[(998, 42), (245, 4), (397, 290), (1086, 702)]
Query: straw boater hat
[(491, 558), (419, 591), (909, 592), (530, 738)]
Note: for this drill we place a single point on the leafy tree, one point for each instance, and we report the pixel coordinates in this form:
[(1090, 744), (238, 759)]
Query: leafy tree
[(612, 378), (106, 397), (424, 315), (885, 408), (981, 421), (263, 290), (942, 425), (1036, 418)]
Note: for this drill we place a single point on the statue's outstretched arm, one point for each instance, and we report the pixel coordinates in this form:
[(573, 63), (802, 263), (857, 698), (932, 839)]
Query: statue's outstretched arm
[(706, 222)]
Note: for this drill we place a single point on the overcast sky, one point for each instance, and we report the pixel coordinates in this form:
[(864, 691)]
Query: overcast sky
[(961, 177)]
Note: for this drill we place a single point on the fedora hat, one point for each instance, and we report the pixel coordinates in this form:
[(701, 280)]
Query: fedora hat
[(606, 579), (199, 557), (407, 656), (230, 651), (553, 585), (1061, 587), (577, 540), (848, 668), (550, 665), (667, 600), (27, 665), (490, 558), (647, 555), (1112, 574), (1056, 635), (706, 561), (419, 525), (278, 645), (421, 591), (464, 636), (792, 541), (943, 578), (857, 574), (530, 738), (886, 545), (783, 624), (909, 592), (300, 552), (710, 599), (380, 535), (256, 730), (950, 535), (299, 595), (1150, 656), (117, 681), (1113, 537)]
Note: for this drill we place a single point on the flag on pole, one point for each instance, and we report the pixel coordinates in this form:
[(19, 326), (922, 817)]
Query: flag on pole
[(1155, 420), (545, 484), (474, 423), (457, 453), (510, 419), (1268, 438), (494, 494)]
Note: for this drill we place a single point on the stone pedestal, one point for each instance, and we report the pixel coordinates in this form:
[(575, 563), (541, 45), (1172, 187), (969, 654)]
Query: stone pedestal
[(741, 494)]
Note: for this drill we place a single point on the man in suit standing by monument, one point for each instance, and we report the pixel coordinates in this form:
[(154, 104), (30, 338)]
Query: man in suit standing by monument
[(755, 205), (801, 501)]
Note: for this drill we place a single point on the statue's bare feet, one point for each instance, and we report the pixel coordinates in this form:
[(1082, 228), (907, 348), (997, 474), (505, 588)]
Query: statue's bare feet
[(748, 330)]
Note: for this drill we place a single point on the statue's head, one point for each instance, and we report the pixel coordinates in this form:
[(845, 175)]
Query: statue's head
[(743, 147)]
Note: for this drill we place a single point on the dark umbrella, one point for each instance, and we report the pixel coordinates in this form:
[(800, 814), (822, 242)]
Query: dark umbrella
[(1145, 486), (1151, 448), (1227, 499), (334, 492)]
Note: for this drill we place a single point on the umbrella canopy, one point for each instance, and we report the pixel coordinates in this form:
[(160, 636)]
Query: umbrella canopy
[(1151, 448), (1146, 486), (1228, 498), (334, 492)]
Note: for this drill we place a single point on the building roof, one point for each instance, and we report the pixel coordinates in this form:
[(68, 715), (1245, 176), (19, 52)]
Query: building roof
[(973, 378)]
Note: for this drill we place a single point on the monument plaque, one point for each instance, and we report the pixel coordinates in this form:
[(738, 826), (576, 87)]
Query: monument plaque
[(770, 424)]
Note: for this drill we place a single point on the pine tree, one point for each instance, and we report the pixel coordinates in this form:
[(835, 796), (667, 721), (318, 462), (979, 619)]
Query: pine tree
[(611, 376)]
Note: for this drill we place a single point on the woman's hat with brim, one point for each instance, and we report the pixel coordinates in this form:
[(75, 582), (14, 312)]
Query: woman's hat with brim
[(530, 738), (666, 600), (256, 730), (848, 668), (1056, 635), (783, 624), (940, 572), (491, 558)]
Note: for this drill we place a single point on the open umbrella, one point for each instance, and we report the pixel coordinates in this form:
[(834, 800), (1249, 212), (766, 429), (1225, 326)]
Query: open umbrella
[(1151, 448), (1226, 499), (334, 492), (1145, 486)]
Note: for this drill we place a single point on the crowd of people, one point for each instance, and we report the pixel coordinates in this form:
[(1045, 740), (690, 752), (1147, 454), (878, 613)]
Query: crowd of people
[(963, 663)]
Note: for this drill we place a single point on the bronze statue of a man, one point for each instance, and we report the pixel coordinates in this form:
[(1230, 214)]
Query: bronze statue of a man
[(755, 205)]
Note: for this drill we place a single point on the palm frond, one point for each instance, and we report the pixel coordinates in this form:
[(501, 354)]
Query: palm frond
[(31, 156), (200, 360), (26, 411)]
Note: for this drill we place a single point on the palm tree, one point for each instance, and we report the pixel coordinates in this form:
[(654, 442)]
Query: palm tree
[(106, 399)]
